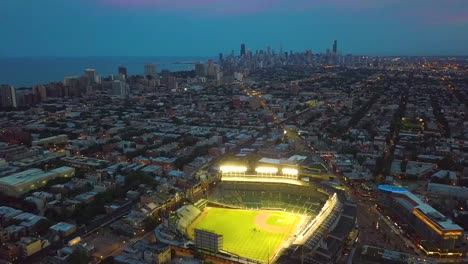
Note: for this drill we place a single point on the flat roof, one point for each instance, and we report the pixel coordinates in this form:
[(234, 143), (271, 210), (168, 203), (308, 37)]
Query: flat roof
[(51, 138), (393, 189), (428, 211), (264, 179), (441, 220), (86, 160), (277, 161), (23, 176), (31, 175), (297, 158), (63, 169), (62, 226)]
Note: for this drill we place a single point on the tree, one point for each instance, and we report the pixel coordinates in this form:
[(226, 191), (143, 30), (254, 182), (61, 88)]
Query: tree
[(79, 256), (136, 178), (446, 163), (43, 225), (108, 260), (150, 223)]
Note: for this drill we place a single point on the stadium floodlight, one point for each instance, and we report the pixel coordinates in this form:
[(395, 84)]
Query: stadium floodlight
[(288, 171), (269, 170), (233, 169)]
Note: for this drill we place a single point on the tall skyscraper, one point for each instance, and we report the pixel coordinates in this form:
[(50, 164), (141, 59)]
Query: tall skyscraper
[(335, 46), (200, 70), (211, 70), (242, 50), (90, 75), (165, 74), (123, 71), (41, 91), (8, 96), (119, 88), (172, 83), (150, 69)]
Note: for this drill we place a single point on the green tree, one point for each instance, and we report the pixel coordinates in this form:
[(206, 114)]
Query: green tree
[(136, 178), (79, 256), (446, 164), (150, 223)]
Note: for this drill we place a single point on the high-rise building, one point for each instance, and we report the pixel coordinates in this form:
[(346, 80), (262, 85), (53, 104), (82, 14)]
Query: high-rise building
[(119, 88), (335, 46), (242, 50), (40, 90), (90, 75), (165, 76), (172, 83), (123, 71), (7, 96), (211, 71), (200, 70), (150, 69), (26, 98)]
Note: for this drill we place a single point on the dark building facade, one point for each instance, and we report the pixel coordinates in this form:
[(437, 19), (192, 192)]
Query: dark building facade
[(439, 235)]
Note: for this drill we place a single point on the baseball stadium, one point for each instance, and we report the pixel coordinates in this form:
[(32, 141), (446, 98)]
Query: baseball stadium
[(269, 216)]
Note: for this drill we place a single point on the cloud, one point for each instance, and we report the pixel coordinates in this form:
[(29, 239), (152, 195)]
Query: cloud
[(198, 6), (243, 6), (422, 12)]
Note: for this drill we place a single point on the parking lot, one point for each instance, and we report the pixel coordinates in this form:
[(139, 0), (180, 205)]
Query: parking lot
[(106, 243)]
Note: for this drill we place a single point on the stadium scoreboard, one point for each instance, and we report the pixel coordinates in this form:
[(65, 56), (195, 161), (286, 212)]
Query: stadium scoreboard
[(208, 240)]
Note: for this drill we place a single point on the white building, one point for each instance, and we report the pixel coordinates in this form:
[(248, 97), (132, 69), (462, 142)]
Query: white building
[(119, 88), (21, 182), (30, 245)]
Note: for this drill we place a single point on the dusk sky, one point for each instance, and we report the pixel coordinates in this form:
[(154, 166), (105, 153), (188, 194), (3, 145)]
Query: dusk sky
[(206, 27)]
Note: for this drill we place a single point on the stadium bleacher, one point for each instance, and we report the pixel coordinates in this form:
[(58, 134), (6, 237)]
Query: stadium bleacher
[(185, 216), (294, 199)]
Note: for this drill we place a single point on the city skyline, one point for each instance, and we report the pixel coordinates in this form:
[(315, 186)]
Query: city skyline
[(164, 28)]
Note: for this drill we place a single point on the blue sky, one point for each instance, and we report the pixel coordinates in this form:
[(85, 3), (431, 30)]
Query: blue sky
[(206, 27)]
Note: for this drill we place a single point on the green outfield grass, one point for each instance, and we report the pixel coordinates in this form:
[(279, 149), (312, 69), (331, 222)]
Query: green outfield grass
[(242, 236)]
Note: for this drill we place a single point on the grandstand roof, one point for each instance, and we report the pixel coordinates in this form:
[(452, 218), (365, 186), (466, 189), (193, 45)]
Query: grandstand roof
[(277, 161), (264, 179)]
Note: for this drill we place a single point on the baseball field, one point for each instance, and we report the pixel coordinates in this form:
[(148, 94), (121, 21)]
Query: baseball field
[(252, 234)]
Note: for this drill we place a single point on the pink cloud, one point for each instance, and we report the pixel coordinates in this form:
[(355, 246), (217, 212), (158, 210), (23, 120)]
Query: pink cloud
[(436, 13), (444, 17), (244, 6), (425, 12), (204, 6)]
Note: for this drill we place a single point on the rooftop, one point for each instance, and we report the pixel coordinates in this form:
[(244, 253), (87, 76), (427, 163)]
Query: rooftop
[(62, 227), (428, 211), (277, 161), (393, 189), (32, 175)]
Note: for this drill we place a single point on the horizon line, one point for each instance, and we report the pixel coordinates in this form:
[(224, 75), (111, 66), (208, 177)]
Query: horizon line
[(214, 56)]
